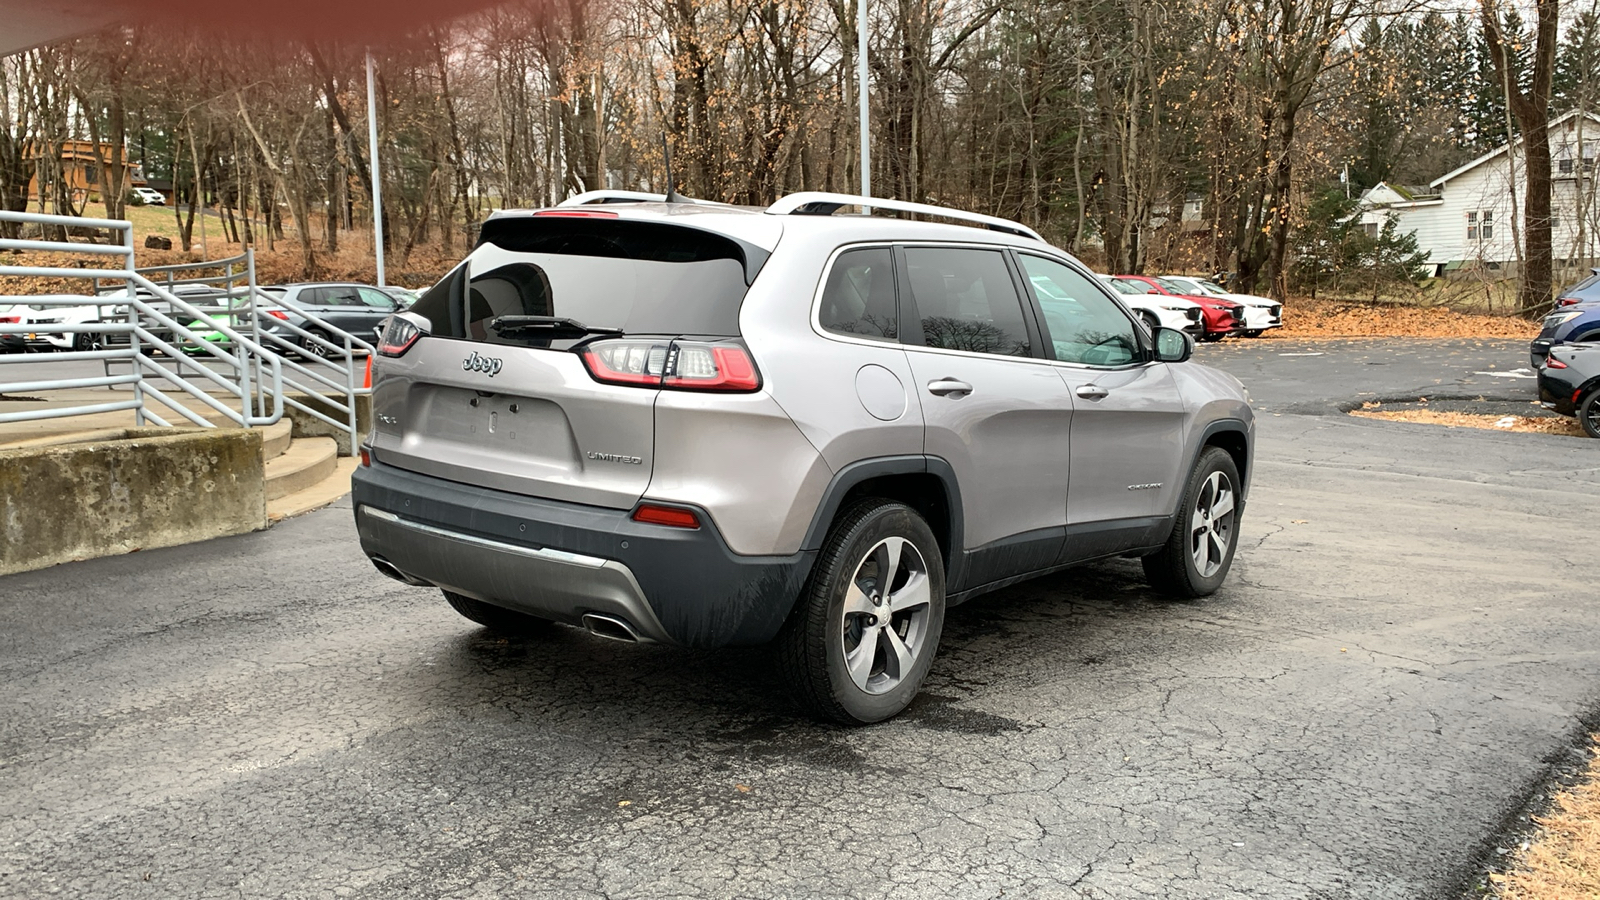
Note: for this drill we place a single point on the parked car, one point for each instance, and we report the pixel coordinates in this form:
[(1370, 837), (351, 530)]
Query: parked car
[(150, 196), (406, 297), (12, 343), (47, 317), (1221, 318), (1261, 314), (1160, 310), (359, 309), (1569, 383), (1585, 291), (1577, 324), (815, 431)]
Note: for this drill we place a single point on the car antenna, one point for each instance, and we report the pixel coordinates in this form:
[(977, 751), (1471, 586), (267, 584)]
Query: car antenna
[(666, 155)]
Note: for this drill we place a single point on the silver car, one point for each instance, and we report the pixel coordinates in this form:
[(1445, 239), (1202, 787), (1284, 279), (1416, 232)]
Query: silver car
[(708, 425)]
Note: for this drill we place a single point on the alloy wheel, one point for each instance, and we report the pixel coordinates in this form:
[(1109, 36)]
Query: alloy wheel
[(886, 610), (1211, 524)]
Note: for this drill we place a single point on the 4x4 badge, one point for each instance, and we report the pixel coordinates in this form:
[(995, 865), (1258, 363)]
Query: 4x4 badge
[(476, 363)]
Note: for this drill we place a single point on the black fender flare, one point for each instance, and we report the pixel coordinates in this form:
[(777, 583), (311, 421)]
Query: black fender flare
[(877, 467), (1212, 429)]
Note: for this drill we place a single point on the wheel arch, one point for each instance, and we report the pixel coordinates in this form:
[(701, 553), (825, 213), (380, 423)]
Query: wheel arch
[(927, 484), (1233, 437)]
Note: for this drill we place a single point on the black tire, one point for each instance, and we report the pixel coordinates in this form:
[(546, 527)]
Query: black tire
[(816, 643), (1174, 568), (1212, 337), (1589, 413), (496, 618), (315, 349), (1150, 320), (83, 342)]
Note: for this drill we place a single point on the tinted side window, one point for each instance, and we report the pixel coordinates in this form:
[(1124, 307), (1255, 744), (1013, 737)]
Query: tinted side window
[(341, 296), (1083, 324), (859, 297), (376, 299), (966, 300)]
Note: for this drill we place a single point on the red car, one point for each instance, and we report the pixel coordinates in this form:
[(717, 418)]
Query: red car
[(1220, 317)]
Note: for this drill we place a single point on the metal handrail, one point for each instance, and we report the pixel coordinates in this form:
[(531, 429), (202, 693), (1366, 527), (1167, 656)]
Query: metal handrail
[(138, 311)]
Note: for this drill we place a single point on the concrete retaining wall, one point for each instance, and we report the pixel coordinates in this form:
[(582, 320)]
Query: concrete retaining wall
[(152, 487)]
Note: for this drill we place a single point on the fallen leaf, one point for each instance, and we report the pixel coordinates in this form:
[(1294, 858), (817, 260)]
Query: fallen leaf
[(625, 803), (742, 788)]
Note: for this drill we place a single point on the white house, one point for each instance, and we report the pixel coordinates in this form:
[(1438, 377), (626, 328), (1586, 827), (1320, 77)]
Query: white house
[(1464, 218)]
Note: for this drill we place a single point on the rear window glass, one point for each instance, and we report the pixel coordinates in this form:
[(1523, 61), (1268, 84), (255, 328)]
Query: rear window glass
[(859, 298), (640, 277)]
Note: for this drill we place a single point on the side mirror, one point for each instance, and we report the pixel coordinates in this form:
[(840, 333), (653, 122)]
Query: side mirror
[(1173, 346)]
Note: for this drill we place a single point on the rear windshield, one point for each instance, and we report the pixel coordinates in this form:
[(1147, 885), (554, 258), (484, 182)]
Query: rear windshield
[(643, 278)]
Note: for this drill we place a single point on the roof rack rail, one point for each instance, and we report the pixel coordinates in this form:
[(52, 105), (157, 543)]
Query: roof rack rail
[(591, 198), (821, 203)]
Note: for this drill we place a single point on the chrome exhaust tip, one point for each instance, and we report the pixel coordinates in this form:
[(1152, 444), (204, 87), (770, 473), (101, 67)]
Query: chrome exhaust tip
[(393, 571), (611, 627)]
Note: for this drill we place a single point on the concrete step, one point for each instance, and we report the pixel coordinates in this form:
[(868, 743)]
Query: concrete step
[(306, 462), (316, 496), (275, 438)]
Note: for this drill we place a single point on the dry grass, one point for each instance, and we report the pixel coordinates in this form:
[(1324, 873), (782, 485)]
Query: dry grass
[(1563, 861), (1526, 424), (1321, 319)]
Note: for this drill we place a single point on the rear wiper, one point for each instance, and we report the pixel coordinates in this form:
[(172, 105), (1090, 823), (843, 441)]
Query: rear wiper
[(548, 326)]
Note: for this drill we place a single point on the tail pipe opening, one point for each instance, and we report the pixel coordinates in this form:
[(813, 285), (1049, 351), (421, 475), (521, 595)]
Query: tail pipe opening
[(613, 627), (393, 571)]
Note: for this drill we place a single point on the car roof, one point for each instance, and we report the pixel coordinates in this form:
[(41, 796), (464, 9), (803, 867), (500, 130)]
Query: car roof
[(754, 225)]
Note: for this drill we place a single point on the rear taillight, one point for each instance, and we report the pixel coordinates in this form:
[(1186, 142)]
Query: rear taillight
[(10, 320), (278, 314), (651, 514), (399, 333), (1550, 362), (675, 365), (1568, 301)]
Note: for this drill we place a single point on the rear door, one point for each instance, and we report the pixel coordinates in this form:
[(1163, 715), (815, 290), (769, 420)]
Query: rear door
[(1127, 428), (993, 409), (521, 412)]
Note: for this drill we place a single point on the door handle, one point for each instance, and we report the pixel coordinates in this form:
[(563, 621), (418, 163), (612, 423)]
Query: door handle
[(1091, 392), (945, 386)]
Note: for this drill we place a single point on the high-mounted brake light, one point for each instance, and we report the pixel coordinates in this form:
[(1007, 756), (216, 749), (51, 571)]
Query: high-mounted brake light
[(651, 514), (399, 333), (575, 214), (674, 365)]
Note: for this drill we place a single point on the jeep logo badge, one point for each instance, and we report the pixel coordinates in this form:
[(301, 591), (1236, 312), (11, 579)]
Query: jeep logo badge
[(476, 363)]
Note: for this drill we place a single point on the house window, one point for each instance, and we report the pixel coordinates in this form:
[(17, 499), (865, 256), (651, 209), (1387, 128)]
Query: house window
[(1564, 166), (1371, 229), (1480, 225)]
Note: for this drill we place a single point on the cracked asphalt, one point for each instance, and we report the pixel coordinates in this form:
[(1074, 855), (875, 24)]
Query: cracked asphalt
[(1407, 641)]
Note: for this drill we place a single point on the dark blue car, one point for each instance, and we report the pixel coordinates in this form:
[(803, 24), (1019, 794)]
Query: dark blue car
[(1567, 324)]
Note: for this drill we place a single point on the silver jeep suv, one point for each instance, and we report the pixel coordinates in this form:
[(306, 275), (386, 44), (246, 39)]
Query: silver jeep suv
[(708, 425)]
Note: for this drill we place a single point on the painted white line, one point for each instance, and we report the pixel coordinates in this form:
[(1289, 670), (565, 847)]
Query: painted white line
[(1318, 353), (1514, 373)]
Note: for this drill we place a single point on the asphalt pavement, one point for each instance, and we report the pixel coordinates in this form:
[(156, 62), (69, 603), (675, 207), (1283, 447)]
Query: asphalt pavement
[(1406, 645)]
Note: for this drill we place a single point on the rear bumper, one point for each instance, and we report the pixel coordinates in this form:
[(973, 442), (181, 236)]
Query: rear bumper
[(562, 560)]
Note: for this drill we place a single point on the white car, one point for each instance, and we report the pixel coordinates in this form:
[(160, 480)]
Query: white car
[(1159, 309), (150, 196), (1260, 313), (46, 317)]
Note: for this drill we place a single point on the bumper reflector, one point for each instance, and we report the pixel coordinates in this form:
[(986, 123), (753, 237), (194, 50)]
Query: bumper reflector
[(671, 516)]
